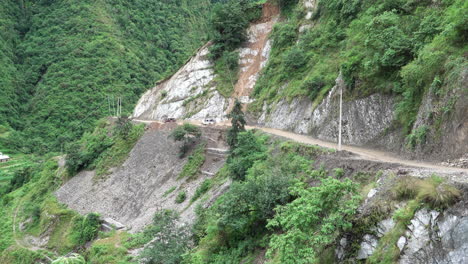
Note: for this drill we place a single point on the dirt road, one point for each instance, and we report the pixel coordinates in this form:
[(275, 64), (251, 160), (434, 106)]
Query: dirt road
[(361, 152)]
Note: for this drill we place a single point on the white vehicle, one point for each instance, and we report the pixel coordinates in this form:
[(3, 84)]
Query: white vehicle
[(208, 121)]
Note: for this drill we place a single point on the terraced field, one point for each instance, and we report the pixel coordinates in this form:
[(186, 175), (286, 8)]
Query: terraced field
[(17, 162), (7, 169)]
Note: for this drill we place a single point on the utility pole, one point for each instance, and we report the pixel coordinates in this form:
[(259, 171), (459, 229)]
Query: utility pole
[(108, 102), (341, 118)]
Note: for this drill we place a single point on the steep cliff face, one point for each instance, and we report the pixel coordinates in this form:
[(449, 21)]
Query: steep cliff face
[(255, 52), (363, 119)]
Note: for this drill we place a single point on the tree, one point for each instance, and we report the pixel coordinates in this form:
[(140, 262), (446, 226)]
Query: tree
[(170, 239), (237, 124), (229, 22), (123, 127), (249, 149), (304, 227), (188, 134)]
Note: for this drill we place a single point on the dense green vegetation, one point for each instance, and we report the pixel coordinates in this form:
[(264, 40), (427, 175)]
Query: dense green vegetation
[(270, 199), (61, 60), (63, 64), (107, 146), (11, 88), (402, 47)]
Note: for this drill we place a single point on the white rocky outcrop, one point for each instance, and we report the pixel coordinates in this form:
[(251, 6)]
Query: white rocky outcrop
[(188, 94), (309, 6)]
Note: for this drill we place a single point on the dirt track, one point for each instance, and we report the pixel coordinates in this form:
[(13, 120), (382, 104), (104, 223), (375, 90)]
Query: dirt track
[(361, 152)]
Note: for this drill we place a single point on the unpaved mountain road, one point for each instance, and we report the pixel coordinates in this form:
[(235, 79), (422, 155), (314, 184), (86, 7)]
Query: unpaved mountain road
[(361, 152)]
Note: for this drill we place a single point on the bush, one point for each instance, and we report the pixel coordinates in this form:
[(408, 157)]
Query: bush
[(295, 59), (284, 35), (195, 161), (229, 23), (181, 196), (307, 225), (432, 191), (86, 228), (202, 189), (418, 137), (188, 134), (250, 148), (313, 86)]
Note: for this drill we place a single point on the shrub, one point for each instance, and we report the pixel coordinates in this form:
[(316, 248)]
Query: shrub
[(237, 124), (310, 223), (433, 191), (188, 134), (229, 23), (195, 161), (295, 59), (72, 259), (123, 127), (181, 196), (339, 172), (284, 35), (418, 137), (202, 189), (248, 150), (86, 228), (313, 86)]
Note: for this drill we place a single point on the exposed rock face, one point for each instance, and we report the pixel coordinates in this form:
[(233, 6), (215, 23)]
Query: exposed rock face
[(446, 115), (255, 52), (135, 191), (191, 92), (431, 237), (180, 96), (436, 238), (363, 119), (369, 242)]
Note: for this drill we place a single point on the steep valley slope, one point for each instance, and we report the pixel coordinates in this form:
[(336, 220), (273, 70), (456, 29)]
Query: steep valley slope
[(281, 193), (437, 131)]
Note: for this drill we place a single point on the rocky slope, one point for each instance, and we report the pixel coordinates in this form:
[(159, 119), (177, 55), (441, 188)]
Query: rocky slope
[(133, 192)]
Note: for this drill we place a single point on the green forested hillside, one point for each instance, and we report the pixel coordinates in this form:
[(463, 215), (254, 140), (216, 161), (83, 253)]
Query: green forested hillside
[(400, 47), (9, 38), (72, 55)]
